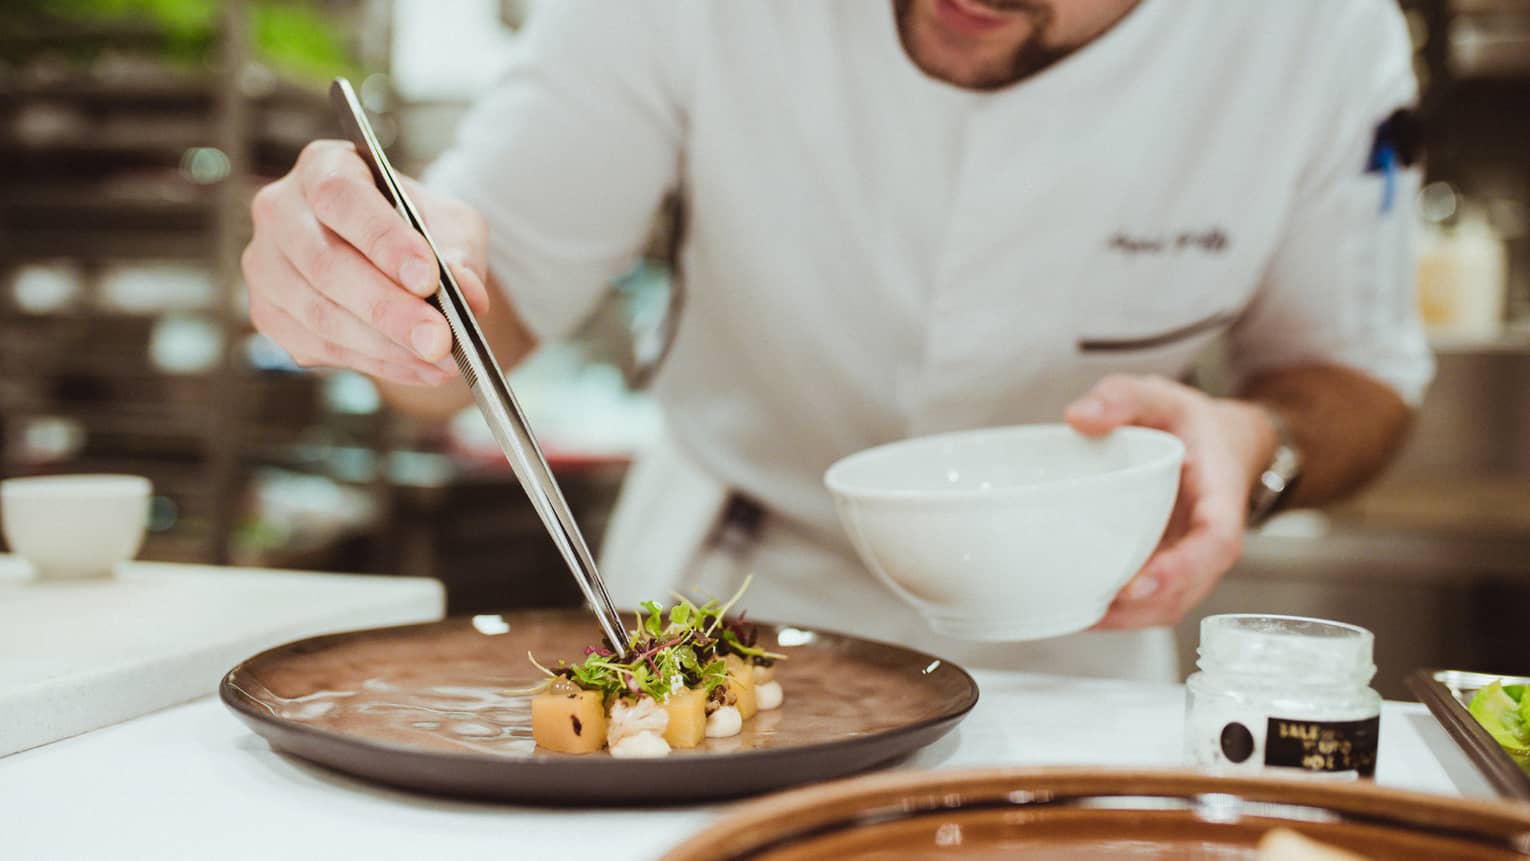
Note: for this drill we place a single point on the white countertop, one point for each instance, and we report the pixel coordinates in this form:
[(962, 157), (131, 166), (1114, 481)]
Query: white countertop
[(192, 782), (80, 655)]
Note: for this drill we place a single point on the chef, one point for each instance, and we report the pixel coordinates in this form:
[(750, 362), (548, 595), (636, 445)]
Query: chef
[(910, 216)]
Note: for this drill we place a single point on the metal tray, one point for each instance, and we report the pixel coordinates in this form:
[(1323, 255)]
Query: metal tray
[(1446, 693)]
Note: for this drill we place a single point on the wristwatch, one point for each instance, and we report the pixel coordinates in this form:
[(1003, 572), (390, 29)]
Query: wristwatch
[(1283, 472)]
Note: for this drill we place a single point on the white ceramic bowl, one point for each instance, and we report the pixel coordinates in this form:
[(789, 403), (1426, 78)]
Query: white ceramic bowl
[(74, 526), (1013, 533)]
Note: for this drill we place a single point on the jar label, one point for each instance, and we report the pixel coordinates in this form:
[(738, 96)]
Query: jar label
[(1323, 746)]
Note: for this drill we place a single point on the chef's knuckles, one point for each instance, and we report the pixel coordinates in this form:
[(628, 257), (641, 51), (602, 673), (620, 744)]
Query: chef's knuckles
[(263, 206), (328, 260), (336, 270), (340, 191), (309, 310), (311, 351), (320, 314)]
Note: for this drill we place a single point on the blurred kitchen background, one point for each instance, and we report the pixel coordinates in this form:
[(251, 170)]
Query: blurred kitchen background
[(133, 133)]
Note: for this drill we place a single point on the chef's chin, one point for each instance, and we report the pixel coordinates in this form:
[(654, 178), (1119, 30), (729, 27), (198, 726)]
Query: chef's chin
[(979, 44)]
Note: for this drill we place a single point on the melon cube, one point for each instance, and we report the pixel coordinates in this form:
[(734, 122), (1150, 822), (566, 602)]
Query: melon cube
[(687, 718), (569, 722), (741, 685)]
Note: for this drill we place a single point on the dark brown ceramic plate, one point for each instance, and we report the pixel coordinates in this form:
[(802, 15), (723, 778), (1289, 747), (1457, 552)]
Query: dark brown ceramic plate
[(1447, 693), (1056, 814), (424, 707)]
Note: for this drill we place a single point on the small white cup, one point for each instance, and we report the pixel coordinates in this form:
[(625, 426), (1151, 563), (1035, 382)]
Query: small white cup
[(1014, 533), (75, 526)]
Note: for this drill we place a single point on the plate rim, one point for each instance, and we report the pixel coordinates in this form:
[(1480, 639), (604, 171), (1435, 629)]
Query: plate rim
[(238, 701), (754, 826)]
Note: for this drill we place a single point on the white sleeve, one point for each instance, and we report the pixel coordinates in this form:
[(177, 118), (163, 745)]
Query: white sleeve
[(570, 154), (1340, 286)]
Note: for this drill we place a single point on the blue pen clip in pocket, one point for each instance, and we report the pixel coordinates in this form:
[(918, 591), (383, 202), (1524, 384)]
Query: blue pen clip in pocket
[(1384, 159), (1397, 144)]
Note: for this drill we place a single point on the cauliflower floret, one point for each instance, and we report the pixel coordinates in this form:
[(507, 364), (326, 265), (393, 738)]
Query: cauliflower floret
[(724, 722), (768, 696), (631, 721)]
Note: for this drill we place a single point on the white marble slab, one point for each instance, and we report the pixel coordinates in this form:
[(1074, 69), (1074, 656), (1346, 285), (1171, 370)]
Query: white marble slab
[(77, 656)]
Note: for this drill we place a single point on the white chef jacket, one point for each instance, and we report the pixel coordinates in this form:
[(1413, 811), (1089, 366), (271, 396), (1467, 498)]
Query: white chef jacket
[(873, 254)]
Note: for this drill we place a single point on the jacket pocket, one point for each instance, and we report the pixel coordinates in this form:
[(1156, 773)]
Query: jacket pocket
[(1158, 339)]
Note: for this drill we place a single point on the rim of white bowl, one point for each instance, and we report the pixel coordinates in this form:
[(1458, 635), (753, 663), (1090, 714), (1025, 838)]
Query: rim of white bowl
[(835, 483), (91, 484)]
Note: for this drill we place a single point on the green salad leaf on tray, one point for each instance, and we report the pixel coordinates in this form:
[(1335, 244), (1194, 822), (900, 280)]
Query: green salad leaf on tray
[(1504, 711)]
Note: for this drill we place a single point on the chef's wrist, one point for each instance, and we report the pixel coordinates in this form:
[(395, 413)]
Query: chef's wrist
[(1254, 429), (1276, 485)]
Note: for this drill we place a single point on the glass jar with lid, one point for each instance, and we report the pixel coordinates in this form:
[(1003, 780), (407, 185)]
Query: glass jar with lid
[(1283, 692)]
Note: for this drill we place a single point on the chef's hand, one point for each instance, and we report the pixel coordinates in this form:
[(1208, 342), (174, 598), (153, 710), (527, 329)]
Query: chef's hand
[(1228, 443), (339, 279)]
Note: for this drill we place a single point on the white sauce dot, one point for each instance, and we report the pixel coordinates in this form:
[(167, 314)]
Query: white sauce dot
[(724, 722), (640, 745), (768, 696)]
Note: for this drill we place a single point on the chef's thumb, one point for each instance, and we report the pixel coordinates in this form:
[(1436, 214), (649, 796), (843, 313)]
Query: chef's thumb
[(1121, 400), (1090, 416)]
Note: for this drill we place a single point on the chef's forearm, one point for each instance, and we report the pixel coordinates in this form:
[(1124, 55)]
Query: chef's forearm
[(508, 337), (1347, 425)]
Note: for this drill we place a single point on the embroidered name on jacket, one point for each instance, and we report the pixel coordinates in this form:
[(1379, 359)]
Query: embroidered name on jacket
[(1212, 241)]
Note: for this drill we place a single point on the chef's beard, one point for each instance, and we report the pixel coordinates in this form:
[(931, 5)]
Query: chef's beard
[(1030, 57)]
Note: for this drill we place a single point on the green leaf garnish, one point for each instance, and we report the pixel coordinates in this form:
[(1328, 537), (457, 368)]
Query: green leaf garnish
[(687, 650), (1498, 713)]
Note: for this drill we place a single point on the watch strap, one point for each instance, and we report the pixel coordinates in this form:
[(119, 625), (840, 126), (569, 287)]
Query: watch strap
[(1274, 484)]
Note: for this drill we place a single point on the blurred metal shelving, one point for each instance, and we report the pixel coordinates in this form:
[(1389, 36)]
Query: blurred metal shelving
[(144, 161)]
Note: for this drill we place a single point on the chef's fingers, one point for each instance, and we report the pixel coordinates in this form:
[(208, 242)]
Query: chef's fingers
[(1180, 578), (1144, 583), (460, 232), (472, 284), (1183, 572), (282, 287), (1123, 399), (340, 191), (462, 237), (335, 269), (1165, 591), (1214, 537), (310, 350)]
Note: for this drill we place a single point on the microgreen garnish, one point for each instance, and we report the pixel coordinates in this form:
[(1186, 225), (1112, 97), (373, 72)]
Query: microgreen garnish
[(686, 646)]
